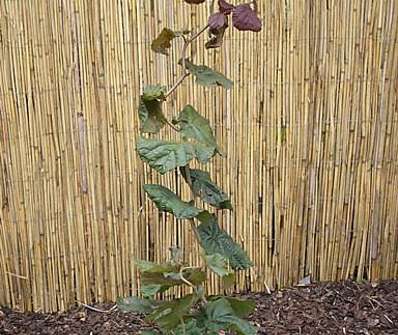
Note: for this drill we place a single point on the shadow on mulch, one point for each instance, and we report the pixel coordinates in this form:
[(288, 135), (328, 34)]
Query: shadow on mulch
[(327, 308)]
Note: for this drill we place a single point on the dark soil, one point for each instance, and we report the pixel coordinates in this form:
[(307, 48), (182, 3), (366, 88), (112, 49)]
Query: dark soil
[(329, 308)]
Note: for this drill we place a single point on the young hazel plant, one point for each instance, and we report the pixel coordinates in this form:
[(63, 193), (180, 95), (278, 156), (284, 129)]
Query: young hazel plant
[(195, 313)]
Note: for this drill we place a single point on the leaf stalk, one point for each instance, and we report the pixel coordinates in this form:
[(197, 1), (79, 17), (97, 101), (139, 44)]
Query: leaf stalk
[(185, 74)]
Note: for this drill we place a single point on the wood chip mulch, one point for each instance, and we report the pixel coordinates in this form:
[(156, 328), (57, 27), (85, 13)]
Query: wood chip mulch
[(327, 308)]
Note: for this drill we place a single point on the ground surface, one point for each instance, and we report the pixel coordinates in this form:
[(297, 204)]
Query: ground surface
[(344, 308)]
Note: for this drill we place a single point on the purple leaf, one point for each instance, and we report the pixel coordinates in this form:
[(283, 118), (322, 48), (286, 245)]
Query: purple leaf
[(217, 21), (225, 7), (195, 1), (245, 18), (216, 39)]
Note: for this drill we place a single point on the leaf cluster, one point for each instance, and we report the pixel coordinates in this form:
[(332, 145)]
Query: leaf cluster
[(244, 18), (187, 316)]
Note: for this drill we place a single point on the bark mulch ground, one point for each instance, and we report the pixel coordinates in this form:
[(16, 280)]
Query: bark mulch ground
[(327, 308)]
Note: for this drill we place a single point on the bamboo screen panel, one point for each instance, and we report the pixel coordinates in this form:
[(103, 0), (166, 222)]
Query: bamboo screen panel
[(309, 135)]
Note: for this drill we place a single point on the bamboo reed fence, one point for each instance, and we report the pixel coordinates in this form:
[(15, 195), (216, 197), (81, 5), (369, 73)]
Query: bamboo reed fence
[(311, 159)]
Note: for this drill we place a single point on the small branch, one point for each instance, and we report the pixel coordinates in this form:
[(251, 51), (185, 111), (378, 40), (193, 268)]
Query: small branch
[(97, 309), (183, 326), (388, 319), (195, 229), (185, 74), (16, 275), (177, 83), (186, 281), (189, 181), (194, 37), (172, 125), (267, 288)]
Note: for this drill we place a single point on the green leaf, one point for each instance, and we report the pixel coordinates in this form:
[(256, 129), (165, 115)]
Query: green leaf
[(150, 109), (157, 278), (151, 267), (228, 280), (169, 314), (151, 116), (196, 277), (154, 92), (241, 307), (164, 156), (220, 311), (136, 305), (153, 280), (217, 264), (161, 43), (203, 187), (202, 324), (189, 328), (203, 153), (205, 76), (153, 283), (149, 290), (195, 126), (149, 332), (215, 240), (167, 201)]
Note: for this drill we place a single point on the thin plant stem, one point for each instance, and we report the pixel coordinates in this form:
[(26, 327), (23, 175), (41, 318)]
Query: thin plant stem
[(185, 74), (183, 326), (176, 84), (189, 181), (171, 125), (97, 309), (186, 281), (195, 229), (192, 221)]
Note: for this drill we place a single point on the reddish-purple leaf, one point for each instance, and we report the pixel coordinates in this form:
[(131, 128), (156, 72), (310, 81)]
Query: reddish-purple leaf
[(245, 18), (216, 39), (217, 21), (225, 7), (195, 1)]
